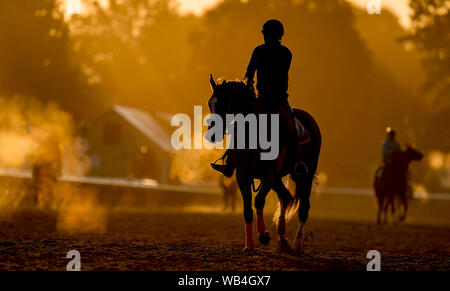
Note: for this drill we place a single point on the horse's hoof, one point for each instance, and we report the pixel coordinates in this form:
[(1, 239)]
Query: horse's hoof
[(298, 248), (248, 250), (283, 247), (264, 238)]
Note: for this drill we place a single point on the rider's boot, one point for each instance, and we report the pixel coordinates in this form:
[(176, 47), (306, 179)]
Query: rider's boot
[(227, 168), (300, 167)]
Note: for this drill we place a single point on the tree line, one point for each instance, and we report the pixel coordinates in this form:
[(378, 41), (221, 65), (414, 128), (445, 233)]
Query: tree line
[(356, 73)]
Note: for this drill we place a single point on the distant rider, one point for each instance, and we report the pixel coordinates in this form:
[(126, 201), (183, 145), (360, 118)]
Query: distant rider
[(390, 145)]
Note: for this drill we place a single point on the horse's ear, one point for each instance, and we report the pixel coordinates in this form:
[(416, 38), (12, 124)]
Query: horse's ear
[(212, 82)]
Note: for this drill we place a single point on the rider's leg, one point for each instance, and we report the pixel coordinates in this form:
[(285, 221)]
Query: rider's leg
[(227, 168), (287, 117)]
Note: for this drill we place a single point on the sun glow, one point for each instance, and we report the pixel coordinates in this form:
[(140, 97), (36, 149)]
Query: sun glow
[(72, 7), (400, 7), (436, 159)]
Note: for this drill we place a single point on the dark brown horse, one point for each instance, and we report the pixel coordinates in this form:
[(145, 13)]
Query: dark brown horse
[(235, 98), (391, 183)]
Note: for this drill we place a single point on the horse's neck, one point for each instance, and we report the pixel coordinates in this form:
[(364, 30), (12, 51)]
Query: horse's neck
[(245, 105), (400, 164)]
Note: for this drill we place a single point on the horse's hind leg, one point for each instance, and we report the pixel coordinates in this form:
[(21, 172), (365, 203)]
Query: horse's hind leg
[(385, 207), (260, 201), (303, 191), (379, 210), (245, 187), (285, 201)]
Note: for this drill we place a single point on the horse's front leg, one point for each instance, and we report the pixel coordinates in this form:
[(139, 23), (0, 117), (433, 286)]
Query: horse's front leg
[(404, 201), (380, 197), (245, 187), (394, 218), (405, 210), (260, 201)]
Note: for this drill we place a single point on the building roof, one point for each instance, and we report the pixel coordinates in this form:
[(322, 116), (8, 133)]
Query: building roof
[(147, 124)]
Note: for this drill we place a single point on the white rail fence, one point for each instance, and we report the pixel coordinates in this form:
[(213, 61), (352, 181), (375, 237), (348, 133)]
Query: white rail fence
[(151, 184)]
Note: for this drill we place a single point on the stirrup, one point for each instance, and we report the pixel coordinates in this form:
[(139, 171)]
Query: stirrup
[(300, 169), (225, 169)]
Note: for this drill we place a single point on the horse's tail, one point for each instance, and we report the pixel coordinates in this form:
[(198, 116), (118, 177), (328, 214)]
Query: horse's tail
[(297, 189), (303, 185), (291, 208)]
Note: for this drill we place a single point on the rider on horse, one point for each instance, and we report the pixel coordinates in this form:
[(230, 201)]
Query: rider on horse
[(391, 179), (272, 61), (389, 148)]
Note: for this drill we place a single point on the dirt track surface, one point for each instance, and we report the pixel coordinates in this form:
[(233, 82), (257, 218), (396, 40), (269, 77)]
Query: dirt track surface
[(213, 241)]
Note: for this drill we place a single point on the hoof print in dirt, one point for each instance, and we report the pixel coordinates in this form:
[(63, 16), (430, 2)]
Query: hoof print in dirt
[(298, 250), (248, 250), (283, 247)]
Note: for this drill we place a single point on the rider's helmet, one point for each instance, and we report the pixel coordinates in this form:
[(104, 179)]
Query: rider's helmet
[(273, 28), (390, 131)]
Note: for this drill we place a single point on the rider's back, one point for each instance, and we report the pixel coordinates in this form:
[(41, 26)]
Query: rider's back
[(272, 64), (389, 148)]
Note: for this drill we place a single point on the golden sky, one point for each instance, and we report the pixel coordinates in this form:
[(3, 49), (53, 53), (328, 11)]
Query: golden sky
[(400, 7)]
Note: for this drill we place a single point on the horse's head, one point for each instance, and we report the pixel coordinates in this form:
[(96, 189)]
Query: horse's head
[(413, 154), (218, 104), (225, 99)]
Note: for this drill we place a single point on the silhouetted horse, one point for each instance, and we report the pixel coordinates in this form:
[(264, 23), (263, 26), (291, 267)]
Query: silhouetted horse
[(235, 98), (392, 182)]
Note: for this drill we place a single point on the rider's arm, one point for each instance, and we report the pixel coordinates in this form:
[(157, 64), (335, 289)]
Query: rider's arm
[(288, 60), (251, 68), (287, 65)]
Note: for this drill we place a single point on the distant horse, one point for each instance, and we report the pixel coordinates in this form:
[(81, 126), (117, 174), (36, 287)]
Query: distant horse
[(234, 98), (391, 182), (229, 188)]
